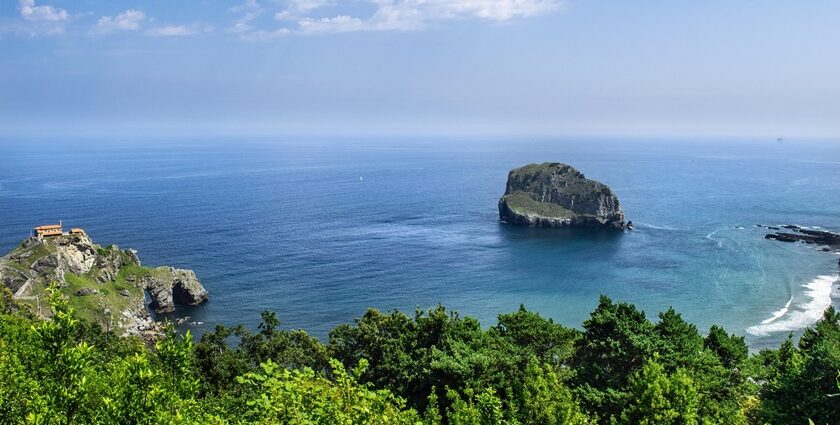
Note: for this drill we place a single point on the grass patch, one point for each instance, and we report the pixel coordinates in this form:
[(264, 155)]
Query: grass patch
[(92, 307), (36, 253), (138, 272), (524, 204)]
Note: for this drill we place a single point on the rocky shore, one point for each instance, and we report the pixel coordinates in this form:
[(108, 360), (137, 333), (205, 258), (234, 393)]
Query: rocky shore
[(104, 284), (552, 194)]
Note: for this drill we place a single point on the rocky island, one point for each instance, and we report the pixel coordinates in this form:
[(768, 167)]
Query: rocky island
[(552, 194), (105, 285)]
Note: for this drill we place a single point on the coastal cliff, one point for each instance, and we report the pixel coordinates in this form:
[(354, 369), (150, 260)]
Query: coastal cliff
[(552, 194), (106, 285)]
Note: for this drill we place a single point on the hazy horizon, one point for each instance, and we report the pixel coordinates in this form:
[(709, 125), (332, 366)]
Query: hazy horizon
[(489, 68)]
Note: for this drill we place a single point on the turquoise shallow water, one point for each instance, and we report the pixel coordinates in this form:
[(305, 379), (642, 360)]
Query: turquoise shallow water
[(320, 230)]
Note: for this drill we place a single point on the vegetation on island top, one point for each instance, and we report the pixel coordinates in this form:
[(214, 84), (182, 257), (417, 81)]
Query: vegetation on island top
[(434, 367), (522, 203)]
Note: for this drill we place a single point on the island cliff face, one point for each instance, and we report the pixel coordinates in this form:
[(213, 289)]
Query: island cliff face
[(552, 194), (106, 285)]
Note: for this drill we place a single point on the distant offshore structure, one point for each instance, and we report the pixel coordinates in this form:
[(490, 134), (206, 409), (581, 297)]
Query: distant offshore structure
[(780, 139)]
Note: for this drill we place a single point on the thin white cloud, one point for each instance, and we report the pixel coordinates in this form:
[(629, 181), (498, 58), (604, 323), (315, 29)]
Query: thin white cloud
[(294, 17), (178, 30), (129, 20), (263, 35), (406, 15), (341, 23), (301, 16), (249, 10), (296, 9), (498, 10)]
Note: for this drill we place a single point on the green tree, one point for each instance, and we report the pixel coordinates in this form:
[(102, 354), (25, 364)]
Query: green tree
[(654, 397), (545, 400), (20, 392), (533, 335), (219, 362), (62, 365), (803, 383), (301, 397), (680, 344), (434, 349), (731, 349), (484, 408), (616, 342), (143, 393), (432, 416)]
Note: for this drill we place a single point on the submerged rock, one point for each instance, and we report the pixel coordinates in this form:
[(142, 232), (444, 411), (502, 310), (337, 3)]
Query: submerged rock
[(552, 194)]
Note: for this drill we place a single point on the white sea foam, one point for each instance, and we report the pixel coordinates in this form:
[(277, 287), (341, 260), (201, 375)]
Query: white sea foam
[(818, 292), (778, 313)]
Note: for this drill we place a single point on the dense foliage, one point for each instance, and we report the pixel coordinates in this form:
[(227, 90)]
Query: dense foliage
[(434, 367)]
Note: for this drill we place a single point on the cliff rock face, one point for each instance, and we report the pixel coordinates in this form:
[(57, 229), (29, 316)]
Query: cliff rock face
[(104, 284), (168, 286), (552, 194)]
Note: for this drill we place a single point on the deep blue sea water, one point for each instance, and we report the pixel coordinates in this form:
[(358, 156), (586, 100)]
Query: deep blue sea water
[(320, 230)]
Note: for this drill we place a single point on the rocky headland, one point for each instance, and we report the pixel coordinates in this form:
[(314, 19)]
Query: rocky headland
[(552, 194), (106, 285)]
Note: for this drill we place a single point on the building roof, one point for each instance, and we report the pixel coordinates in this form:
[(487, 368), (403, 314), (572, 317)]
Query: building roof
[(49, 227), (77, 230)]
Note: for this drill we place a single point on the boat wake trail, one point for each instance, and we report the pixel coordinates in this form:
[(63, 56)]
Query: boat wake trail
[(818, 294), (654, 226)]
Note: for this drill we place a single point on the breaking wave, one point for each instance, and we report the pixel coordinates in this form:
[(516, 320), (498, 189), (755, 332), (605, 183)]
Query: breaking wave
[(818, 292), (778, 313)]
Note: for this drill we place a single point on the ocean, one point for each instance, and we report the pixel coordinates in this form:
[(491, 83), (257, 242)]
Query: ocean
[(319, 230)]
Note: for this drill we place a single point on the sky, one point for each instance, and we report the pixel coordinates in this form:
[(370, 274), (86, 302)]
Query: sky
[(765, 68)]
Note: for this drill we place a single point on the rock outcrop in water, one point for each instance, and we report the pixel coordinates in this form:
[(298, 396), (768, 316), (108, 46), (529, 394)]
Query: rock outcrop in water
[(829, 241), (104, 284), (552, 194), (168, 286), (809, 236)]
